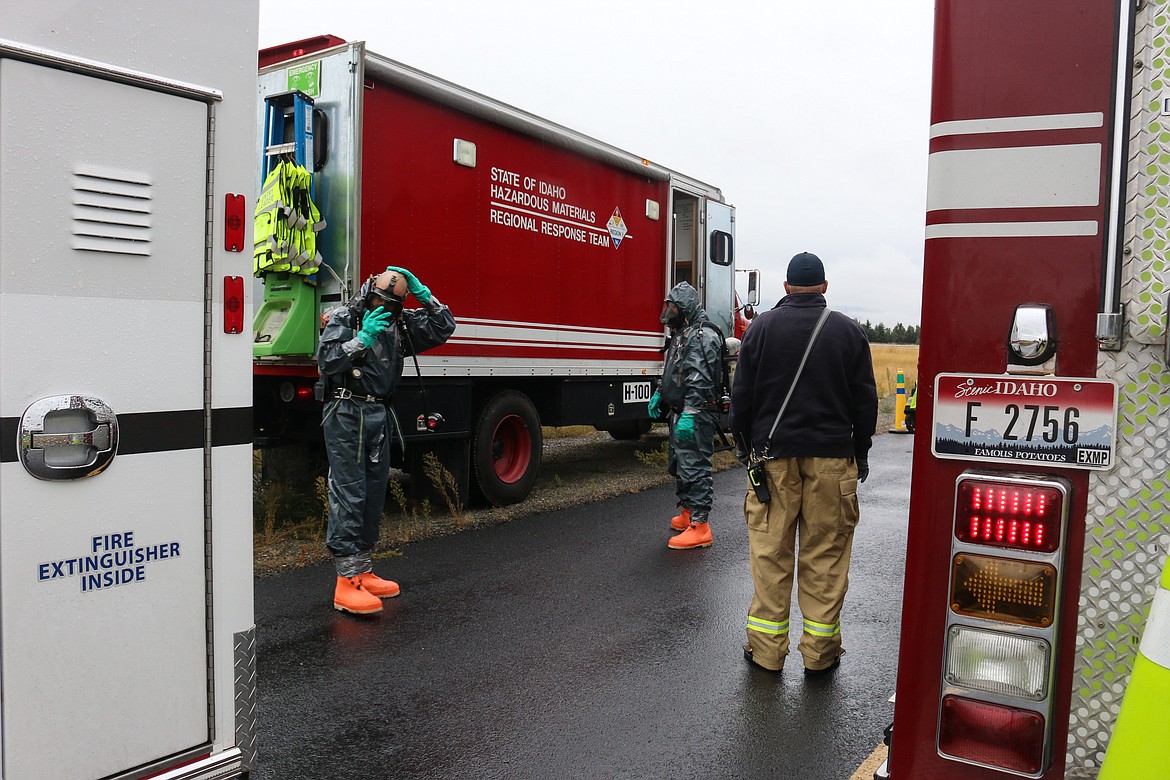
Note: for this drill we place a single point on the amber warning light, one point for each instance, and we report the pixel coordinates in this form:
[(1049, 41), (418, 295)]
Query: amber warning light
[(1009, 514)]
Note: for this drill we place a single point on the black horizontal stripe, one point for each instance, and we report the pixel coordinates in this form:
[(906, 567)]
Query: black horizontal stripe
[(156, 431)]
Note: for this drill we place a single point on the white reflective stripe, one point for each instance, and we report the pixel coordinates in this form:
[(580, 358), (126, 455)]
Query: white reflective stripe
[(1011, 229), (578, 328), (1017, 124), (1015, 177), (569, 365), (1156, 639), (551, 345), (554, 336)]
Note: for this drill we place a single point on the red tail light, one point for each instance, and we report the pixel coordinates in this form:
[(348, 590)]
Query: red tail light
[(233, 304), (1007, 514), (992, 734), (234, 223)]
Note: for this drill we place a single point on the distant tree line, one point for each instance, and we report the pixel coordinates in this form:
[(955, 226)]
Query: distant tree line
[(899, 334)]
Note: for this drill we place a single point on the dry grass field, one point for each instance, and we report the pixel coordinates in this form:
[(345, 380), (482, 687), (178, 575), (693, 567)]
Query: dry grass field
[(888, 360)]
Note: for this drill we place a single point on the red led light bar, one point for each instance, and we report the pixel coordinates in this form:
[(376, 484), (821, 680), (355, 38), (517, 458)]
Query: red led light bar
[(992, 734), (1007, 514)]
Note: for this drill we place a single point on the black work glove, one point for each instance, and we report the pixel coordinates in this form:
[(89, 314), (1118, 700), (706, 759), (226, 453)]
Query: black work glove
[(862, 469)]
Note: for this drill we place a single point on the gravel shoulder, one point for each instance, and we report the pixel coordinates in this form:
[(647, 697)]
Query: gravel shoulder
[(574, 470)]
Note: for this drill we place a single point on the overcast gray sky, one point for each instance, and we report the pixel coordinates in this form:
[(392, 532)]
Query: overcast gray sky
[(811, 117)]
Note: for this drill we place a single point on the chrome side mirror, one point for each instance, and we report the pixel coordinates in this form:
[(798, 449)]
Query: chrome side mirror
[(753, 291), (1032, 343)]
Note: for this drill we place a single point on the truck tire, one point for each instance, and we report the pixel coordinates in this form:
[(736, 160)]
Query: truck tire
[(505, 454), (628, 430)]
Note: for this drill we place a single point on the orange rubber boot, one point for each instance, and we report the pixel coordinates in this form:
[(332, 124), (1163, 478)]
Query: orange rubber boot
[(376, 586), (697, 535), (350, 596), (681, 521)]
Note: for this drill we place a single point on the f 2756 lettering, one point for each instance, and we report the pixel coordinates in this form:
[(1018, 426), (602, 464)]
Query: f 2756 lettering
[(1033, 422)]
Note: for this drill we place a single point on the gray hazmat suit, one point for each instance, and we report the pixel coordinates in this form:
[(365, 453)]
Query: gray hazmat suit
[(358, 432), (690, 384)]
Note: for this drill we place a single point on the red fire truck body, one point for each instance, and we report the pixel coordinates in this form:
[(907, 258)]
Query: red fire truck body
[(1036, 308), (553, 250)]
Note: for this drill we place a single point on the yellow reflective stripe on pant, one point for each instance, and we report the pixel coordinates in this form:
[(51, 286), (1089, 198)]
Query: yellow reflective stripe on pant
[(803, 536), (766, 626), (822, 629)]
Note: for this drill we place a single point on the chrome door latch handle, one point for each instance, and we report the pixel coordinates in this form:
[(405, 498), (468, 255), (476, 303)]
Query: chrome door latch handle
[(68, 437)]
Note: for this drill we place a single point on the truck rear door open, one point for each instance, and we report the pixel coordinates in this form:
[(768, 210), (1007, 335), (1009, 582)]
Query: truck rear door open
[(719, 281), (103, 572)]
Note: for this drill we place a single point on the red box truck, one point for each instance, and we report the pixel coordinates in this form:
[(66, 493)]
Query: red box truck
[(553, 250)]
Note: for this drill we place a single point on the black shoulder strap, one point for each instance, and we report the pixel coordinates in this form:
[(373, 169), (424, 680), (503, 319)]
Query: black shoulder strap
[(799, 370)]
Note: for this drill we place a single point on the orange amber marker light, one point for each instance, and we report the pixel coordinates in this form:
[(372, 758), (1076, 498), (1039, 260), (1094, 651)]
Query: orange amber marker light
[(1003, 589)]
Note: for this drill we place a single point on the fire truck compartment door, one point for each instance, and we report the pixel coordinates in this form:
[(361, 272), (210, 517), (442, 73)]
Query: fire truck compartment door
[(719, 271), (103, 612)]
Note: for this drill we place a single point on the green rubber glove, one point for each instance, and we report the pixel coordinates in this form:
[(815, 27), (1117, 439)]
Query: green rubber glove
[(655, 406), (685, 430), (419, 290), (373, 324)]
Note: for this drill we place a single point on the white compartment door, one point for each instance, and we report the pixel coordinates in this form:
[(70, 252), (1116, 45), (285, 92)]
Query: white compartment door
[(719, 270), (103, 606)]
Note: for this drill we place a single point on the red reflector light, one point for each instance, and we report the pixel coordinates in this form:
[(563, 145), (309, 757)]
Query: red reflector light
[(304, 393), (233, 304), (1008, 514), (233, 223), (991, 734)]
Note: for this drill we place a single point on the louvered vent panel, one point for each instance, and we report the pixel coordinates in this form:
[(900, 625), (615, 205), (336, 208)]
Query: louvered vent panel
[(111, 211)]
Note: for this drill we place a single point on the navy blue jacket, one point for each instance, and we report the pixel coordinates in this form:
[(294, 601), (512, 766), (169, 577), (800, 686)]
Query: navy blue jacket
[(833, 411)]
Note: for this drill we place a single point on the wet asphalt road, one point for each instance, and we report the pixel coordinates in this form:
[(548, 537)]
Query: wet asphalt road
[(576, 645)]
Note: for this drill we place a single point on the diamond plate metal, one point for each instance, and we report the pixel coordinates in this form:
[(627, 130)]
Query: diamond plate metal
[(247, 725), (1127, 534), (1148, 205)]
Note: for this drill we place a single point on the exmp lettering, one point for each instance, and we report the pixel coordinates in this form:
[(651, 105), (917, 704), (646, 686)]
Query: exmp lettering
[(113, 559)]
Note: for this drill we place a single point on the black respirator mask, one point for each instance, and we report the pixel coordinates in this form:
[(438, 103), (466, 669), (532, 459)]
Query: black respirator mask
[(373, 297), (387, 300), (671, 316)]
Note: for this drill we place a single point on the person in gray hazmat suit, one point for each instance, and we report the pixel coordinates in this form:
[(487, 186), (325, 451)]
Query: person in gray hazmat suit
[(688, 398), (360, 359)]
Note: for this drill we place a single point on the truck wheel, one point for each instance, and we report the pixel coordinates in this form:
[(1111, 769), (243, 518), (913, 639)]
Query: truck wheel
[(629, 429), (507, 447)]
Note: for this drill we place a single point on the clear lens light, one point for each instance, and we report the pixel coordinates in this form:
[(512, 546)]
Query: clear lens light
[(998, 663)]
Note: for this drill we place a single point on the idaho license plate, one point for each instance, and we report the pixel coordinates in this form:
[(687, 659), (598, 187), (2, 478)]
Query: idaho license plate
[(1014, 419)]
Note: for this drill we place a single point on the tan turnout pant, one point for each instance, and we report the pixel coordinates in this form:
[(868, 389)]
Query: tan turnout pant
[(814, 499)]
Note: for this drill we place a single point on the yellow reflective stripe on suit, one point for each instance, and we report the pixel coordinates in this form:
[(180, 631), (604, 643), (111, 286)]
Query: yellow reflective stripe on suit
[(766, 626), (822, 629)]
